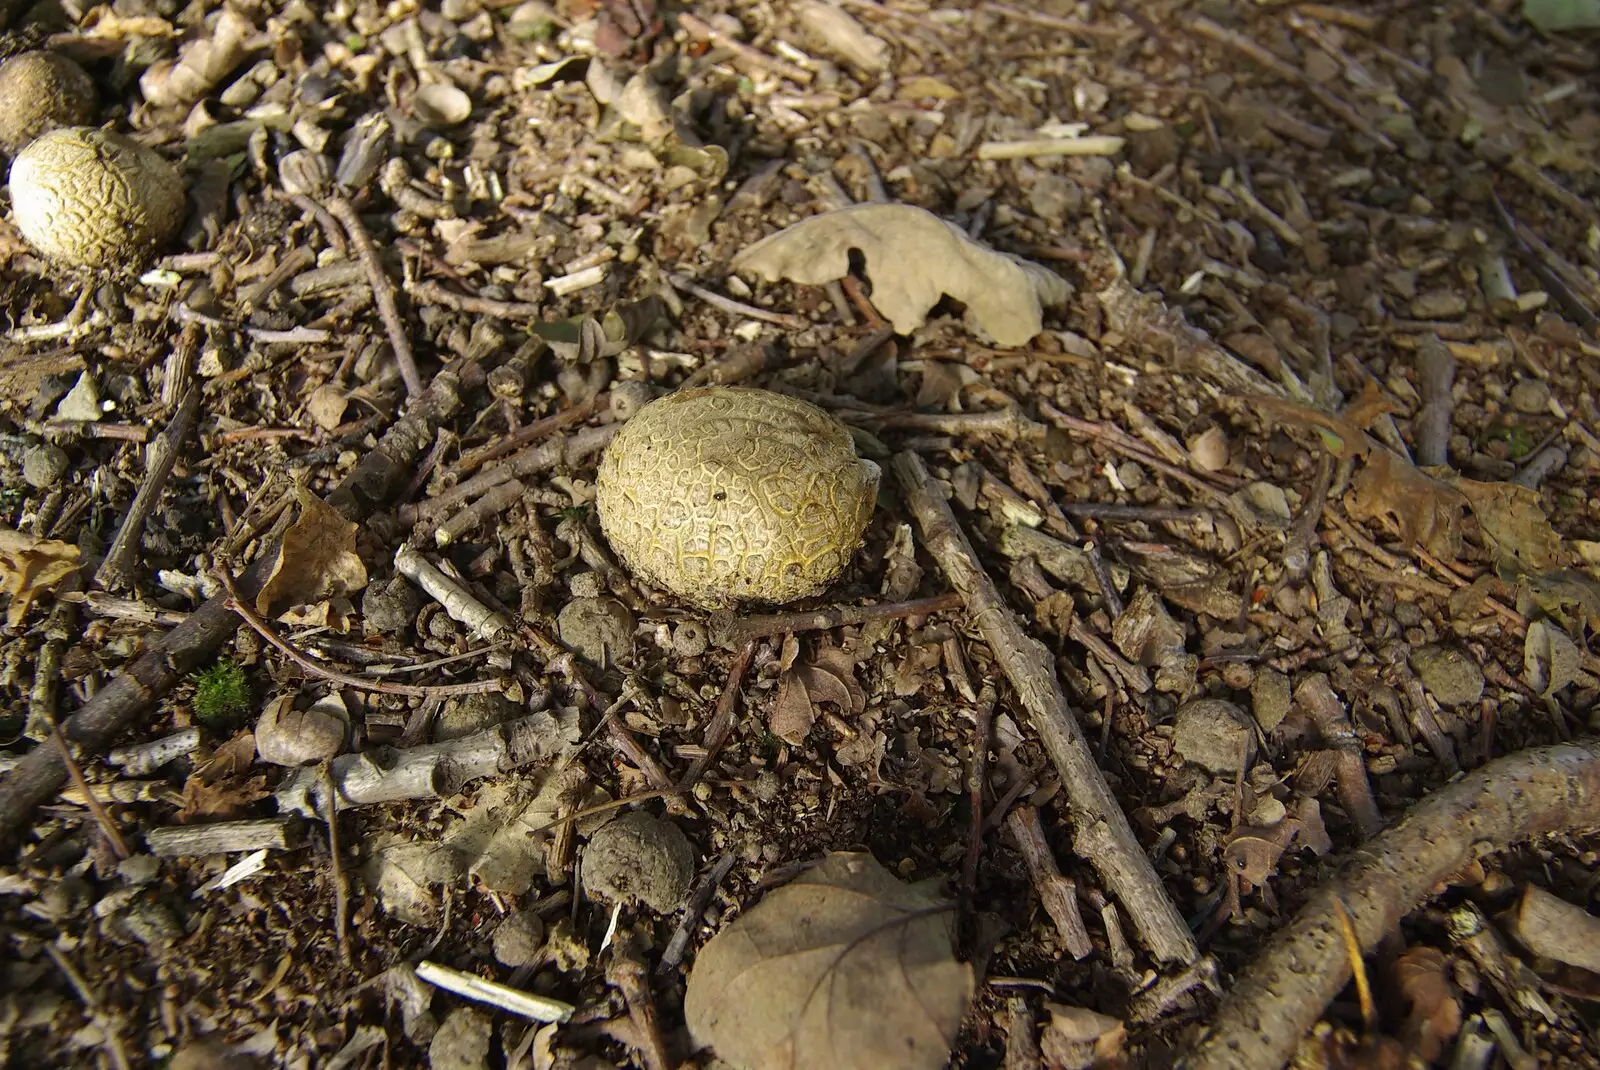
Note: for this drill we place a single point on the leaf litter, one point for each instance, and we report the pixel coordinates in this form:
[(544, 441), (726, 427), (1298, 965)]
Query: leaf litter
[(842, 968)]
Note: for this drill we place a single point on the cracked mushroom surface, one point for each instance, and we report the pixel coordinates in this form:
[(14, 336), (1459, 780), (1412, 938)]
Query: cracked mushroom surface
[(732, 494), (40, 91), (94, 198)]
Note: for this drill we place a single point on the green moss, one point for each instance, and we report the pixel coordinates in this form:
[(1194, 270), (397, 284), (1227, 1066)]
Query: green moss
[(221, 695)]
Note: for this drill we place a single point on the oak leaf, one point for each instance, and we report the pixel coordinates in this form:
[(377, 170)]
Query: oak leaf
[(317, 559), (1422, 976), (913, 258), (828, 677), (844, 968), (29, 567)]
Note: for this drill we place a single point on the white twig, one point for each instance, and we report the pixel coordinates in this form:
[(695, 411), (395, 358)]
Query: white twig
[(512, 1000), (456, 600)]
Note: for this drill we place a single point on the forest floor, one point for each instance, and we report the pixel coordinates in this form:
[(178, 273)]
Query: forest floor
[(1295, 486)]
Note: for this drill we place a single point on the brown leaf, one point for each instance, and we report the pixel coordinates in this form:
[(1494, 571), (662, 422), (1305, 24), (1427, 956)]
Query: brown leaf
[(843, 968), (1559, 592), (1252, 853), (1513, 522), (1077, 1036), (793, 713), (1422, 975), (224, 798), (1424, 511), (831, 677), (1370, 404), (317, 559), (29, 567)]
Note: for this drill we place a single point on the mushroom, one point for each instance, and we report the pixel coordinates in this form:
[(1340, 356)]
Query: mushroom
[(94, 198), (40, 91), (639, 859), (730, 494)]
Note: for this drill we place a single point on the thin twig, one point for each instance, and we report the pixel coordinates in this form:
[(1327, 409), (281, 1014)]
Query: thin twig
[(699, 901), (116, 570), (736, 308), (977, 778), (722, 721), (382, 292), (107, 826), (628, 973), (293, 336), (731, 632), (431, 293), (703, 31), (341, 898), (238, 604), (1101, 830), (532, 433)]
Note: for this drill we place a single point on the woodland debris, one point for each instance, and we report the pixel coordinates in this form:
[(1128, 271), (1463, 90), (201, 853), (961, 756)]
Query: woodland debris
[(1057, 894), (225, 837), (1286, 988), (641, 860), (511, 1000), (843, 967), (913, 258), (1552, 928), (1101, 830)]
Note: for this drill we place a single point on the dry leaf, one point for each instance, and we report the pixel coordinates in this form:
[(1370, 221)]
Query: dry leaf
[(829, 677), (30, 567), (404, 872), (913, 258), (1550, 658), (317, 559), (843, 968), (1422, 976), (1079, 1037), (1513, 522), (221, 787), (201, 63), (1560, 591)]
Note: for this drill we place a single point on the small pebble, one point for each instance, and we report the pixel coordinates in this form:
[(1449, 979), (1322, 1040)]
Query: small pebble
[(44, 465), (1438, 305), (689, 639), (1449, 675), (389, 607), (462, 1042), (473, 713), (1531, 397), (1269, 698), (518, 939), (599, 630), (82, 401), (1215, 735)]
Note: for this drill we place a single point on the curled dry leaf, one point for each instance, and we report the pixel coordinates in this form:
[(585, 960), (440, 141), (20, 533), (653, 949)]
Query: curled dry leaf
[(1550, 658), (222, 786), (843, 968), (829, 677), (913, 258), (200, 65), (316, 560), (30, 567), (1514, 524), (1079, 1037)]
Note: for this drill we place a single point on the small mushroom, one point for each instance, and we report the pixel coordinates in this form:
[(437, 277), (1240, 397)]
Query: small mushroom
[(639, 859), (728, 494), (95, 198), (40, 91)]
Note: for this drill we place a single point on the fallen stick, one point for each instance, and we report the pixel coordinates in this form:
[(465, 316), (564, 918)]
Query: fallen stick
[(1280, 995), (121, 562), (171, 657), (433, 770), (1101, 832)]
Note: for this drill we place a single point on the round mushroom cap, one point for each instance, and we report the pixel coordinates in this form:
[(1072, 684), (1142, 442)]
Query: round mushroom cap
[(639, 858), (40, 91), (730, 494), (95, 198)]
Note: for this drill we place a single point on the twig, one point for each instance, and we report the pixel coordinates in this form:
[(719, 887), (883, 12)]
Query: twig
[(1552, 281), (113, 834), (632, 750), (431, 293), (223, 837), (532, 433), (1436, 375), (513, 1000), (237, 603), (1103, 580), (382, 291), (722, 720), (1131, 513), (737, 308), (702, 31), (1239, 42), (627, 972), (699, 901), (138, 759), (977, 779), (1101, 830), (731, 632), (293, 336), (569, 449), (169, 658), (1276, 1000), (498, 500), (1315, 695), (1057, 894), (1033, 148), (341, 898), (117, 568), (462, 607)]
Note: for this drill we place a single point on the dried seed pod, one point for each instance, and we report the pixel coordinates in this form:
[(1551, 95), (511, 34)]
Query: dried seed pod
[(287, 736), (40, 91), (727, 494), (95, 198)]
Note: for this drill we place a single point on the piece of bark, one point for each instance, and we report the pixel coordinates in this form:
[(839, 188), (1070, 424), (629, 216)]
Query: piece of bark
[(1101, 832), (1553, 928), (434, 770), (1436, 375), (1315, 695), (171, 657), (182, 841), (1281, 994)]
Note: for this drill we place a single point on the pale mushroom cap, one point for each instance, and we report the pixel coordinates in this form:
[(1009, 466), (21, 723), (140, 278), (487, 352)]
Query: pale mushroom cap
[(40, 91), (95, 198), (729, 494)]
